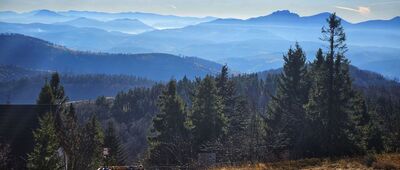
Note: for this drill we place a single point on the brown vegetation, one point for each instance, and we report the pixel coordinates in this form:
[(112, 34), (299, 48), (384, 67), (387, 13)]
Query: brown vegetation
[(379, 161)]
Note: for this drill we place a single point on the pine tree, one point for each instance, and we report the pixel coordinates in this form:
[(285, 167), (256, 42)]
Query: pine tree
[(257, 135), (315, 107), (237, 142), (46, 96), (374, 133), (185, 89), (57, 89), (170, 131), (286, 115), (45, 153), (226, 91), (332, 103), (91, 146), (112, 141), (69, 135), (208, 120)]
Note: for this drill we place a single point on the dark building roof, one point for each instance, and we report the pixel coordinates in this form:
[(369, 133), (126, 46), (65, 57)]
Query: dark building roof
[(17, 123)]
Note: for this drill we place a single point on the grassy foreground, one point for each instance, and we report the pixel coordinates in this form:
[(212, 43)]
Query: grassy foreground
[(379, 161)]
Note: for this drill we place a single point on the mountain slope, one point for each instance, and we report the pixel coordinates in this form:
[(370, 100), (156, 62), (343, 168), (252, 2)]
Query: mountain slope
[(10, 73), (381, 24), (45, 13), (78, 87), (29, 52), (361, 78), (131, 26), (154, 20), (87, 39), (36, 16)]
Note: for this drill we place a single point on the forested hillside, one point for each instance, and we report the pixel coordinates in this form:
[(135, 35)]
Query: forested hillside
[(24, 90), (9, 72), (42, 55)]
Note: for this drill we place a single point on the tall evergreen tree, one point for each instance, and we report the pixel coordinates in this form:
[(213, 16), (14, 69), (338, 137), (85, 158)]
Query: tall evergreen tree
[(208, 120), (257, 135), (166, 145), (185, 89), (68, 132), (237, 141), (317, 104), (91, 145), (226, 91), (46, 96), (57, 89), (286, 115), (45, 153), (332, 96), (112, 141)]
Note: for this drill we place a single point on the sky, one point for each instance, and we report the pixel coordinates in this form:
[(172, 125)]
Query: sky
[(351, 10)]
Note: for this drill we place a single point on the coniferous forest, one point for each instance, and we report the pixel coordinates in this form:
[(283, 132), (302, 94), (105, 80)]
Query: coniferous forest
[(313, 107)]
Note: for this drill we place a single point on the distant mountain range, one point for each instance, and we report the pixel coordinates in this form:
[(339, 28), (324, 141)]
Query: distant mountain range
[(85, 39), (258, 43), (33, 53), (249, 45), (154, 20), (130, 26)]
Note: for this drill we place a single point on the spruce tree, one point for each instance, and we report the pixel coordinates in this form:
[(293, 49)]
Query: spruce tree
[(91, 145), (332, 99), (185, 89), (286, 114), (257, 135), (170, 132), (112, 141), (69, 135), (207, 119), (57, 89), (46, 96), (45, 153), (315, 106), (237, 142), (226, 91)]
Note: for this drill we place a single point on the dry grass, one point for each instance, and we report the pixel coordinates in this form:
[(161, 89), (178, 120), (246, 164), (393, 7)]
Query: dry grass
[(380, 161)]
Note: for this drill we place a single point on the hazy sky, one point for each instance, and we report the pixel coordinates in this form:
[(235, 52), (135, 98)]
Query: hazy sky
[(351, 10)]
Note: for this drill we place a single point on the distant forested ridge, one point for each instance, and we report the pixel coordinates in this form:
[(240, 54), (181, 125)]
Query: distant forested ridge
[(33, 53), (22, 87)]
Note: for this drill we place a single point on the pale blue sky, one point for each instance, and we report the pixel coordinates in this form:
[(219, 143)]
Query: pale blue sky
[(351, 10)]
